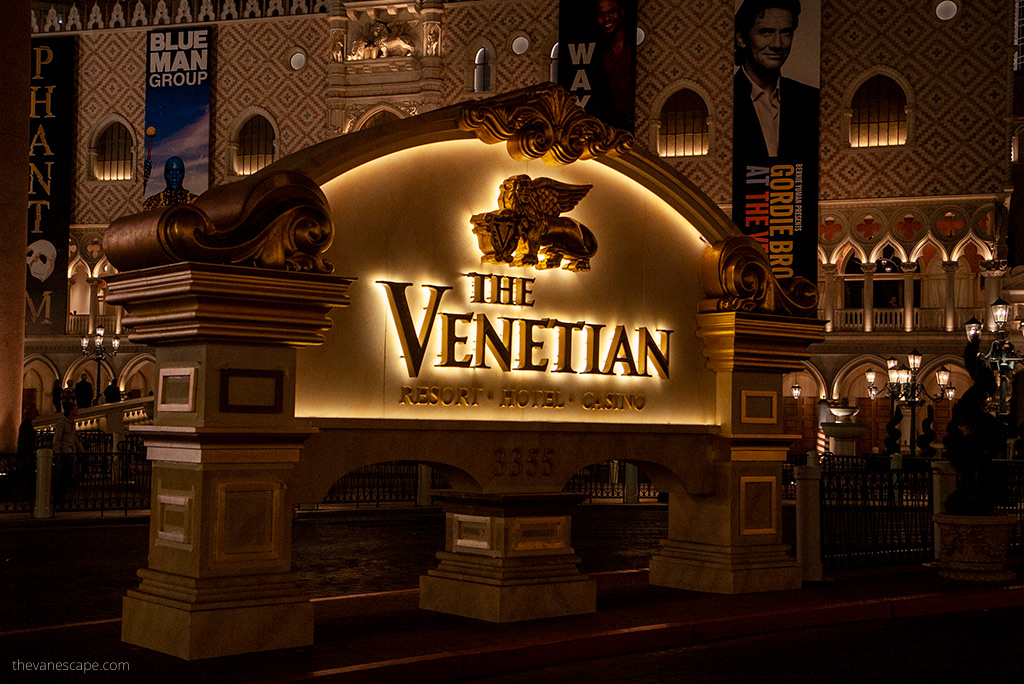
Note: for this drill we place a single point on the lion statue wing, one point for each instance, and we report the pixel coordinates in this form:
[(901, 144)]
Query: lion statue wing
[(553, 197)]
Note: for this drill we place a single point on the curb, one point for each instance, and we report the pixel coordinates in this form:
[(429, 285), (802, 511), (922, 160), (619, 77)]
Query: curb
[(448, 666)]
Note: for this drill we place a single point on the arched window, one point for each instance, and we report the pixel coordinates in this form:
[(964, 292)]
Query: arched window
[(684, 126), (482, 71), (553, 71), (879, 114), (255, 146), (379, 119), (114, 153)]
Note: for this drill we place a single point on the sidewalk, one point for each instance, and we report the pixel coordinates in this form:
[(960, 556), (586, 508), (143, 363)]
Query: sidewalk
[(384, 637)]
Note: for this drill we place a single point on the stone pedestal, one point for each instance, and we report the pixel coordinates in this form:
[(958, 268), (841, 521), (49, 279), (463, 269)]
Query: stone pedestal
[(44, 484), (842, 437), (218, 580), (729, 542), (224, 443), (728, 539), (808, 522), (508, 558)]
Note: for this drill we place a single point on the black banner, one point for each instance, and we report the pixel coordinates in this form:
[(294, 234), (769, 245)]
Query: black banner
[(51, 171), (775, 131), (597, 57)]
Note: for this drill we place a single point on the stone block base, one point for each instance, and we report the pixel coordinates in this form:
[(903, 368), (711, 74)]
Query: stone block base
[(192, 633), (724, 570), (508, 602)]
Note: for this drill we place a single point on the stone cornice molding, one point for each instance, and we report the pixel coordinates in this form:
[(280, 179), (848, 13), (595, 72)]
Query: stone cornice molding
[(189, 303)]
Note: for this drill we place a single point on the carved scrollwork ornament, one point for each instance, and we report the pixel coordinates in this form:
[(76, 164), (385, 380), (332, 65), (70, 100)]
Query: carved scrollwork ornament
[(279, 221), (543, 122), (736, 276)]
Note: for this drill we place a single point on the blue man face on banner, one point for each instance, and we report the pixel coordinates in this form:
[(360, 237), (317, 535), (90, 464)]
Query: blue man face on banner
[(174, 173)]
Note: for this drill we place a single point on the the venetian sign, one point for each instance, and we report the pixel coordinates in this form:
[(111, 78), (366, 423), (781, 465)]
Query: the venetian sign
[(491, 289)]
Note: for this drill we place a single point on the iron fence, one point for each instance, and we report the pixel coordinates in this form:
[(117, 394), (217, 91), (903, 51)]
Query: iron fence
[(102, 480), (380, 483), (17, 483), (608, 481), (95, 479), (788, 482), (1014, 503), (397, 483), (872, 516)]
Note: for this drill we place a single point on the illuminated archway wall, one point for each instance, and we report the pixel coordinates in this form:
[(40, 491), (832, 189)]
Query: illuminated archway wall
[(405, 218)]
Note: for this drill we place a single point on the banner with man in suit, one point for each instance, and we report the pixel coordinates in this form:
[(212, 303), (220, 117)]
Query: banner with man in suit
[(775, 130)]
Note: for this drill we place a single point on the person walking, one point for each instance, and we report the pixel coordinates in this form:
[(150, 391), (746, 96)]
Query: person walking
[(25, 466), (66, 447)]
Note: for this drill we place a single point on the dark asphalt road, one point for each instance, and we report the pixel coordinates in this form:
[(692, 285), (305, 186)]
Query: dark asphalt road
[(973, 648), (67, 572)]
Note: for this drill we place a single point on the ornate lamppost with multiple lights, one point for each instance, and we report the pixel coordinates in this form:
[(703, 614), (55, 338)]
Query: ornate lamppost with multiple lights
[(1001, 357), (903, 386), (100, 352)]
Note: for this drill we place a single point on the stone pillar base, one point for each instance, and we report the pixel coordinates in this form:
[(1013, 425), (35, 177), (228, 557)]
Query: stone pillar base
[(192, 620), (494, 592), (724, 570), (508, 558)]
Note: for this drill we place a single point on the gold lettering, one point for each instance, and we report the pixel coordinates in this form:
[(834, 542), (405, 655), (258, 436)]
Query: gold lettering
[(40, 139), (38, 206), (593, 347), (649, 351), (43, 309), (450, 338), (44, 181), (619, 352), (487, 338), (527, 345), (35, 100), (414, 342), (44, 56), (563, 345)]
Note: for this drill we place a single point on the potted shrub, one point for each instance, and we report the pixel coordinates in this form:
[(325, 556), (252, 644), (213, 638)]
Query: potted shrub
[(973, 538)]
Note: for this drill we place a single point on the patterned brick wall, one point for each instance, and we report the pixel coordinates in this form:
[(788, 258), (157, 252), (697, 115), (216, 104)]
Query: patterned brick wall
[(689, 42), (958, 71), (250, 70), (465, 23), (960, 75), (111, 81)]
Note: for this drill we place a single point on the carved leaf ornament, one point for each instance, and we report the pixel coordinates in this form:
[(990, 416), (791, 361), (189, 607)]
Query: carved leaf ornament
[(543, 122)]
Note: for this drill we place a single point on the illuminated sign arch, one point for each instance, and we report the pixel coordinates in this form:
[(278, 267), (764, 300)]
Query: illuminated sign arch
[(440, 328)]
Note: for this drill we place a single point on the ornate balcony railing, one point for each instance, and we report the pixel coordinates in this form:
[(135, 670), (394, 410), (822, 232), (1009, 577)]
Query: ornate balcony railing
[(932, 319)]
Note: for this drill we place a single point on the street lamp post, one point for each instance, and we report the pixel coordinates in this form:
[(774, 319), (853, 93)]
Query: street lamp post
[(1001, 357), (903, 385), (100, 352)]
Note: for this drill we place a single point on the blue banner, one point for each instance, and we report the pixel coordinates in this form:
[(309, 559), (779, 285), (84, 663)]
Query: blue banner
[(176, 166)]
